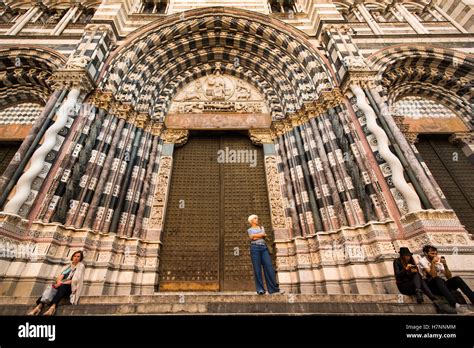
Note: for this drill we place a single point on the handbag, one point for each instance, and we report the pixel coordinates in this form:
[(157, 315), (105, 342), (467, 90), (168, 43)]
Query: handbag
[(48, 294), (268, 243)]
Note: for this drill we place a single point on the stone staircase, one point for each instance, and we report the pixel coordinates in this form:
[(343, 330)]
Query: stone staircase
[(231, 304)]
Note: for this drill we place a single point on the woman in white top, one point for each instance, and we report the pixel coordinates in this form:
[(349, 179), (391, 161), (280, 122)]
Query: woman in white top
[(68, 284), (261, 259)]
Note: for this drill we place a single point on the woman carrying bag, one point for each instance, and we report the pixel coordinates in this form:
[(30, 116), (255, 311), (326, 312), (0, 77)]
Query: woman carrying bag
[(261, 257), (68, 284)]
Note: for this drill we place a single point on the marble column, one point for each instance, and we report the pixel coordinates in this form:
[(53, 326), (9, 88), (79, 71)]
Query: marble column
[(408, 193), (368, 18), (412, 20), (23, 187)]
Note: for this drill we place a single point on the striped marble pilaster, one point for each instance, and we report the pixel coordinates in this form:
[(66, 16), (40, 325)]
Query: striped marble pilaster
[(88, 180), (340, 165), (30, 182), (134, 190), (291, 211), (324, 163), (362, 174), (111, 190), (333, 161), (127, 180), (331, 219), (309, 185), (37, 130), (73, 164), (94, 213), (296, 175)]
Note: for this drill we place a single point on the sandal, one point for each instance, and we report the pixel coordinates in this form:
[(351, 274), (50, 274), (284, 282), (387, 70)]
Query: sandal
[(50, 311), (35, 311)]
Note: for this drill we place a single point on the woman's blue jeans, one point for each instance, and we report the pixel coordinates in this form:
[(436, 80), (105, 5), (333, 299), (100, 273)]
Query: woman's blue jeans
[(261, 257)]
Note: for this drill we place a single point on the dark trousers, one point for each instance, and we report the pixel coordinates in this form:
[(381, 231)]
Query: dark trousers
[(261, 257), (415, 282), (443, 287), (64, 291)]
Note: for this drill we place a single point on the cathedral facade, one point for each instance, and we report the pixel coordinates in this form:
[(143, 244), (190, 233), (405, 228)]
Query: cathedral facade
[(145, 132)]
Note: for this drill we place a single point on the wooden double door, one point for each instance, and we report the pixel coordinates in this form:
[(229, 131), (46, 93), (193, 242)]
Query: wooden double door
[(205, 243)]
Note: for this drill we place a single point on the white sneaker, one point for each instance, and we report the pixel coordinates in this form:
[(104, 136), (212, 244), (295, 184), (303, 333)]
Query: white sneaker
[(462, 309)]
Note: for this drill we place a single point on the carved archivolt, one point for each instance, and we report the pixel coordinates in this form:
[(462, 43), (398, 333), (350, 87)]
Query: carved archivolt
[(274, 193)]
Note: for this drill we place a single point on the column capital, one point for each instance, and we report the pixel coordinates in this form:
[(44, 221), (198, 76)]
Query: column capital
[(260, 136), (121, 110), (358, 72), (102, 99), (411, 137), (327, 100), (71, 78), (400, 121), (462, 138), (155, 127), (101, 27), (142, 120), (177, 137)]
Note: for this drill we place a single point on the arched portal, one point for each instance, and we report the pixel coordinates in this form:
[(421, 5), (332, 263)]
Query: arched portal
[(215, 78), (218, 180)]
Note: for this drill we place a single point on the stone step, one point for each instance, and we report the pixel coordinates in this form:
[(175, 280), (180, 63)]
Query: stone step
[(230, 303)]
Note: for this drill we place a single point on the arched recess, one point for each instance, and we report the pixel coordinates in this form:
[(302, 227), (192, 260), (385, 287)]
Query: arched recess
[(24, 71), (151, 65), (429, 88), (428, 71)]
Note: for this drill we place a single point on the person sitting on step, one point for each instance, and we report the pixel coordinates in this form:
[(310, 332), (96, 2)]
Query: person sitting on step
[(68, 284), (410, 282), (441, 281)]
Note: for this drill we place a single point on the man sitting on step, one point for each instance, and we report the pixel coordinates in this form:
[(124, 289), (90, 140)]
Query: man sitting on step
[(440, 280)]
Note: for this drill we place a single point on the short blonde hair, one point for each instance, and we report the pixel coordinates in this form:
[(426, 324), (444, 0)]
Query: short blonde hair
[(251, 217)]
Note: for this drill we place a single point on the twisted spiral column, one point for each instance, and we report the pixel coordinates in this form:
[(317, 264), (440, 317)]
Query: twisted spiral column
[(23, 187), (412, 199)]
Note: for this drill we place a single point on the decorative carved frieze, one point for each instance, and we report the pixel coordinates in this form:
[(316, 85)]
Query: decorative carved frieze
[(274, 193), (161, 191)]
